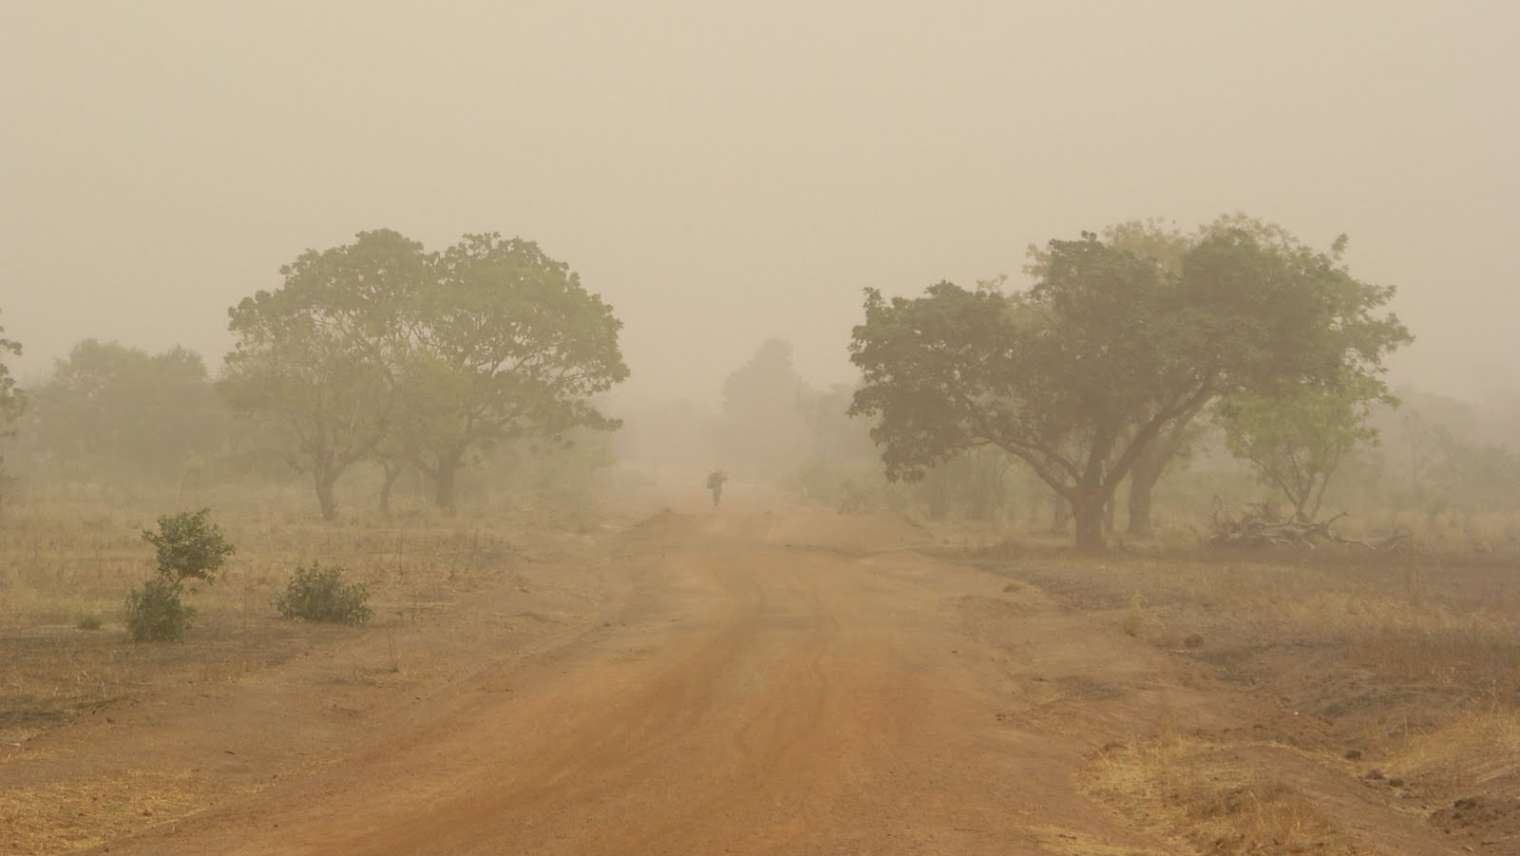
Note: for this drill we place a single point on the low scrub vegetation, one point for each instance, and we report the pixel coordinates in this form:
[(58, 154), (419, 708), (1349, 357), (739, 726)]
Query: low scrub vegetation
[(320, 594), (157, 613), (188, 546)]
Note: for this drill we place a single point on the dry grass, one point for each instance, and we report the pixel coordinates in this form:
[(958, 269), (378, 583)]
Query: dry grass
[(1475, 750), (1207, 795), (1405, 619), (47, 819), (1072, 842), (1348, 662), (63, 559)]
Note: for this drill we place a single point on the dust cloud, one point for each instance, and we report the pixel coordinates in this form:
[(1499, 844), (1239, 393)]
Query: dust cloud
[(724, 176), (545, 427)]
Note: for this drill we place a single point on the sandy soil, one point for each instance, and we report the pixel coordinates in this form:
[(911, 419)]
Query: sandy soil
[(732, 682)]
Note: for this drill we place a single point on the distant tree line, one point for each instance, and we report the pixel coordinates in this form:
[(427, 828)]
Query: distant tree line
[(375, 351), (1132, 353)]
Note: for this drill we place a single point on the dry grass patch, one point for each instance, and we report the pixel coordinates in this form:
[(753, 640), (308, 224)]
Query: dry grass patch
[(1207, 795), (63, 560), (1404, 621), (65, 817), (1476, 750), (1070, 842)]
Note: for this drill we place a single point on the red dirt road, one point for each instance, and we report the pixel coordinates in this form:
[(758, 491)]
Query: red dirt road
[(761, 689)]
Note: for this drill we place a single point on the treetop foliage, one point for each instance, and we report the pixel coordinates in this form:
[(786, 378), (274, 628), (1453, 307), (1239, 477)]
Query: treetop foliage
[(380, 348), (189, 546), (1296, 439)]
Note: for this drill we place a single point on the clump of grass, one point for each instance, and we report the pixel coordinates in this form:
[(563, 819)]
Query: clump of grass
[(320, 594), (89, 621)]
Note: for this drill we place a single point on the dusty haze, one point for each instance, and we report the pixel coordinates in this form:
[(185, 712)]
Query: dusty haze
[(723, 176)]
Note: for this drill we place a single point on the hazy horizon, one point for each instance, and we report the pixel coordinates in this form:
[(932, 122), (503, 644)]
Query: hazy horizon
[(722, 177)]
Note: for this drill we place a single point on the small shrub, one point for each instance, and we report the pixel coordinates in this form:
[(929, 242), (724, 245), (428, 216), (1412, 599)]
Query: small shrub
[(155, 612), (189, 545), (320, 594), (89, 622), (1137, 617)]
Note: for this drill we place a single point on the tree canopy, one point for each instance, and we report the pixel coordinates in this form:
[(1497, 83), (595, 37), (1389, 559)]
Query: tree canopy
[(317, 356), (381, 349), (1298, 438), (1080, 373), (504, 342)]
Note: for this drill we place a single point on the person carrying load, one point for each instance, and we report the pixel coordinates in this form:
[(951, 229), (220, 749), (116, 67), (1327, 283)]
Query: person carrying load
[(715, 481)]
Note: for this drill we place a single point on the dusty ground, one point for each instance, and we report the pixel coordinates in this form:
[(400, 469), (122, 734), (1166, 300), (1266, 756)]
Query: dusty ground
[(750, 682)]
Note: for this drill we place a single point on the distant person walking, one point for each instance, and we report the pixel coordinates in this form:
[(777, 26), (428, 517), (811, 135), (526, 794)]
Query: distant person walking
[(715, 480)]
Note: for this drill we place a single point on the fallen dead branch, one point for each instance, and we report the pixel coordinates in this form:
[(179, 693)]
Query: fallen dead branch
[(1258, 527)]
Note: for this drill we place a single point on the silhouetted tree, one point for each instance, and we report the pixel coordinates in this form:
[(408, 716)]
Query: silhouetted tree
[(1108, 350), (505, 343), (317, 357), (764, 427)]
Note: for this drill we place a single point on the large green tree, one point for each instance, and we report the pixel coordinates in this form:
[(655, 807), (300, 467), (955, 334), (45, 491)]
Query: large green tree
[(380, 350), (317, 358), (1166, 245), (1109, 349), (504, 343)]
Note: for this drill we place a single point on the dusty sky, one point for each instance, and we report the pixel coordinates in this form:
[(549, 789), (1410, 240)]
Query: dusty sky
[(724, 172)]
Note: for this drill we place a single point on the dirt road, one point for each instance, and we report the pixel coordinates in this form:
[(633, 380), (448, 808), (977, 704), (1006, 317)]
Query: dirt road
[(768, 685)]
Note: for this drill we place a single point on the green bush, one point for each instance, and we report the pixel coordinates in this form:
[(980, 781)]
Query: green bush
[(155, 612), (189, 545), (89, 621), (320, 594)]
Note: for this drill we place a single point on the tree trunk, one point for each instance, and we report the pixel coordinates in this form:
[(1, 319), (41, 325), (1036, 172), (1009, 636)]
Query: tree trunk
[(326, 497), (1061, 514), (1149, 468), (444, 481), (392, 473), (1088, 513), (1142, 480), (1110, 512)]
